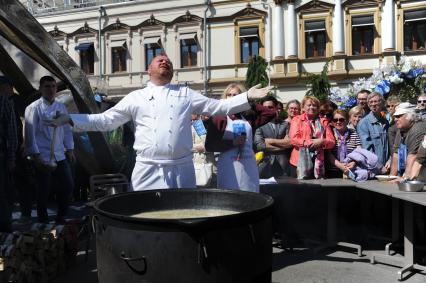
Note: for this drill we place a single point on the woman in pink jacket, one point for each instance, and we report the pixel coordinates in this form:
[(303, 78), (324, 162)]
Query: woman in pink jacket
[(310, 137)]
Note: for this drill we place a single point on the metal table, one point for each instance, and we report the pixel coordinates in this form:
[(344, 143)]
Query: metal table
[(332, 185), (409, 199)]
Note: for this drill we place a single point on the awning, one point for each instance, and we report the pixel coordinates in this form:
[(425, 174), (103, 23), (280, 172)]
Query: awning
[(84, 46), (119, 43), (362, 21), (188, 36), (152, 40), (413, 16), (249, 32), (314, 26)]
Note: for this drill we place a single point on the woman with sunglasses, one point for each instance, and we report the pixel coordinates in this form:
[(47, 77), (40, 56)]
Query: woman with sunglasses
[(310, 136), (346, 141), (232, 136), (326, 111)]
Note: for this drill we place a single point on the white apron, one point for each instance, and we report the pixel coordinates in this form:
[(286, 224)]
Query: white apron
[(154, 175), (239, 174)]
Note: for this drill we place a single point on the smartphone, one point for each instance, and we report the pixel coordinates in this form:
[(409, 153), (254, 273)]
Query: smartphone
[(351, 175)]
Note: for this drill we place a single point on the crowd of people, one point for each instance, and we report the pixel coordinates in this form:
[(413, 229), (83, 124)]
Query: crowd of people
[(317, 140), (184, 139)]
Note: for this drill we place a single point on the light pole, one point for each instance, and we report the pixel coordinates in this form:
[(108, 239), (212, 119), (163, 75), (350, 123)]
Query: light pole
[(102, 13)]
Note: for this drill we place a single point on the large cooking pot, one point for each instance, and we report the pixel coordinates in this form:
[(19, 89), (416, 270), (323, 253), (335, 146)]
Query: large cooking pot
[(231, 248)]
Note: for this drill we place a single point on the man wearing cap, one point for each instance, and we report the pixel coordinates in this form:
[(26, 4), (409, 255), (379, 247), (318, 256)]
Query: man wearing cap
[(8, 147), (408, 138), (162, 116)]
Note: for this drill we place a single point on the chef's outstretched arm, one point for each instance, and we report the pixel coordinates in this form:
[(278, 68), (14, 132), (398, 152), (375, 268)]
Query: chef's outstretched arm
[(239, 103), (106, 121), (255, 92)]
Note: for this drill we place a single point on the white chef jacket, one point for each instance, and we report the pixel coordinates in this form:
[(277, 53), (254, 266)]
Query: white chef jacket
[(162, 117), (38, 136)]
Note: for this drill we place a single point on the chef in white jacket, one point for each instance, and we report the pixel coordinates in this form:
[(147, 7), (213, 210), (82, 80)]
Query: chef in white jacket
[(161, 113)]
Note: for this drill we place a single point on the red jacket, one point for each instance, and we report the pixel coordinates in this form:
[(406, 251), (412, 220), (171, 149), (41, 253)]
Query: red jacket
[(301, 135)]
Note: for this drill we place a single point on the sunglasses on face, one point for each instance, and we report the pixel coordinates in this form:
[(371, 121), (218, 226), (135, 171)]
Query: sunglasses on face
[(340, 120), (390, 106), (327, 115), (421, 101)]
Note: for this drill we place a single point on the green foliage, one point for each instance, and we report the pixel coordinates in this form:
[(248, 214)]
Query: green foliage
[(283, 115), (256, 72), (319, 83)]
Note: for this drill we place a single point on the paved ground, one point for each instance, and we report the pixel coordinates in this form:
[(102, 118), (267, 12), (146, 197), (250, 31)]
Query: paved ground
[(300, 266)]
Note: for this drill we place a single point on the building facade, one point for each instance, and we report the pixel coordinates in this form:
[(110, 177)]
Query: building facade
[(210, 42)]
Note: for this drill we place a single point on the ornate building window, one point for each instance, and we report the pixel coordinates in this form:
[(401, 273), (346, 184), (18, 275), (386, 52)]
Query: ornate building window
[(363, 27), (249, 33), (315, 31), (153, 48), (152, 39), (362, 35), (415, 30), (188, 50), (315, 39), (249, 43), (87, 57), (119, 56)]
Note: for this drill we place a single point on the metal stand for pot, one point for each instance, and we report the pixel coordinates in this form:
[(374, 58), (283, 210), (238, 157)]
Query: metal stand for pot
[(107, 184), (102, 185)]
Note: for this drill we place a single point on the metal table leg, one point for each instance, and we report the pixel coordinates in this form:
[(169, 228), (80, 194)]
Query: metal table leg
[(332, 225)]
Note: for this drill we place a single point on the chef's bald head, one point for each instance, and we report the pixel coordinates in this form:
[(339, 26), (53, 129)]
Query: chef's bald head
[(161, 70)]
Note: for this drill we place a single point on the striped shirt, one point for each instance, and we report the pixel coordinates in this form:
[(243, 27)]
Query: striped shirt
[(352, 141)]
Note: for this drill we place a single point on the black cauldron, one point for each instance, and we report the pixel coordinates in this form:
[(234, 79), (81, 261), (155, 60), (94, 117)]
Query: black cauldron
[(230, 248)]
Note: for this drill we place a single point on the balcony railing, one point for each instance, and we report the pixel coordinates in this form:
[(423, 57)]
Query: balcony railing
[(40, 7)]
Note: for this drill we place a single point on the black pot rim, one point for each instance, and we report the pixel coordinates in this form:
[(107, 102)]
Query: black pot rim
[(186, 222)]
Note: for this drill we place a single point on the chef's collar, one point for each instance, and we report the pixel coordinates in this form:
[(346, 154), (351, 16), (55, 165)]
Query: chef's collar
[(150, 84)]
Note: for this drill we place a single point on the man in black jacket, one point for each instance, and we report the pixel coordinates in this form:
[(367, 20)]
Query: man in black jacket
[(272, 138)]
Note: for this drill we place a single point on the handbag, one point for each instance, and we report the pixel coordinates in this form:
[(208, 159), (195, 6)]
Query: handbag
[(203, 173), (305, 165)]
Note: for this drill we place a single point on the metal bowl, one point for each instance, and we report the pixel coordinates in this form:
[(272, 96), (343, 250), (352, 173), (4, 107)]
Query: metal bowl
[(411, 186)]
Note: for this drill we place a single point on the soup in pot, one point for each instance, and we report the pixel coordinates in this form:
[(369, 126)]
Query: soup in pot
[(184, 213)]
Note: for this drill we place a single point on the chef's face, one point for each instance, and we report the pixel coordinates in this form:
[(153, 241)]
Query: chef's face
[(161, 68)]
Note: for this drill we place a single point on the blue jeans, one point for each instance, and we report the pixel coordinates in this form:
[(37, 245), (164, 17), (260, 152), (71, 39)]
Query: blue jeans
[(64, 185)]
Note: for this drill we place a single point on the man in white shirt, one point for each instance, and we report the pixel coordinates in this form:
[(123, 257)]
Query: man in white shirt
[(162, 116), (51, 149)]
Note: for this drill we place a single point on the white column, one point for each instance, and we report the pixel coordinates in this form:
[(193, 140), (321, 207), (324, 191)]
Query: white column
[(278, 30), (338, 36), (292, 30), (388, 26)]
